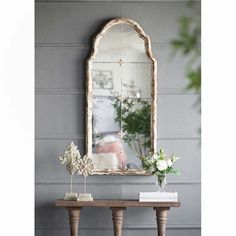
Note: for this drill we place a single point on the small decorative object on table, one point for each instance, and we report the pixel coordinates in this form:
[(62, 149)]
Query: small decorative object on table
[(70, 157), (159, 164), (85, 168), (158, 196)]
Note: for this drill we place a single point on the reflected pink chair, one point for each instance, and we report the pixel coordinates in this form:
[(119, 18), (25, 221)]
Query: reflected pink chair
[(113, 147)]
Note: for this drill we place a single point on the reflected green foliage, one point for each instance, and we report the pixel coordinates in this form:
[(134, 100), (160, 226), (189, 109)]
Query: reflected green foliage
[(134, 116), (188, 44)]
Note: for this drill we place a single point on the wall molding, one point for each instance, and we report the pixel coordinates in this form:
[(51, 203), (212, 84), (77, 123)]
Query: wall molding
[(82, 136), (61, 91), (155, 46), (125, 227), (119, 182), (62, 45), (59, 136), (117, 1), (87, 45)]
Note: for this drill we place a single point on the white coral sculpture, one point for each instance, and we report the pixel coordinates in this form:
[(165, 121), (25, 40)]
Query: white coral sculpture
[(71, 157), (85, 168)]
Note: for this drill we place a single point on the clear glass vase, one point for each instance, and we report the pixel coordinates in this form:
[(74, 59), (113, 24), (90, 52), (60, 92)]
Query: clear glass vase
[(161, 182)]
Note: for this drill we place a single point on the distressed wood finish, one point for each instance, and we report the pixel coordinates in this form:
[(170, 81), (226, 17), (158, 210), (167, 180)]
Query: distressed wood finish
[(147, 43), (117, 218), (161, 218), (74, 217), (127, 172), (117, 207), (115, 203)]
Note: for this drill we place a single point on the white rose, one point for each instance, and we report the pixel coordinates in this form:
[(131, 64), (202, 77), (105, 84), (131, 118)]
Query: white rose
[(162, 165), (169, 163)]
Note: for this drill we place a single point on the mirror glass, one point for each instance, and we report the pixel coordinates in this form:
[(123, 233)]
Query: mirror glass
[(122, 75)]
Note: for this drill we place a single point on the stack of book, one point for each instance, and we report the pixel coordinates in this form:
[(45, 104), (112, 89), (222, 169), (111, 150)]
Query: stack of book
[(158, 197)]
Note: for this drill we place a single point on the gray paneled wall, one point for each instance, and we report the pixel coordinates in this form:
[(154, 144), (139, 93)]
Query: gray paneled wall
[(64, 32)]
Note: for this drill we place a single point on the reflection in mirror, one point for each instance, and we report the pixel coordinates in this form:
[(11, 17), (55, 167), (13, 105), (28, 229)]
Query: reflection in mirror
[(122, 99)]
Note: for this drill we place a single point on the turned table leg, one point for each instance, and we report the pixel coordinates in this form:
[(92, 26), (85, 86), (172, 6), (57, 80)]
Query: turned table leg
[(74, 215), (117, 218), (161, 218)]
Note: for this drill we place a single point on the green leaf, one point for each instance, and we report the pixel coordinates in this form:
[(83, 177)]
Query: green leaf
[(194, 79)]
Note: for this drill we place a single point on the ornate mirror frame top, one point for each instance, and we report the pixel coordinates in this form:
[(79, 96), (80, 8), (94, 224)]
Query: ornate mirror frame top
[(89, 88)]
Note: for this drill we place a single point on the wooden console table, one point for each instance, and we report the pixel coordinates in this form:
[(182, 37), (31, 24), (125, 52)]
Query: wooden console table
[(117, 207)]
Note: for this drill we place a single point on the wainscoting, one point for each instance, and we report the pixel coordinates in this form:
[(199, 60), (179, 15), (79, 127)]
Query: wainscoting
[(64, 32)]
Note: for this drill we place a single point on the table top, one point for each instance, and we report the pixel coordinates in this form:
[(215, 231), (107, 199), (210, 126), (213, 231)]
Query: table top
[(114, 203)]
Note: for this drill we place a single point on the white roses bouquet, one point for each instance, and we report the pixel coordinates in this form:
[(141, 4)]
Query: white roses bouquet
[(159, 163)]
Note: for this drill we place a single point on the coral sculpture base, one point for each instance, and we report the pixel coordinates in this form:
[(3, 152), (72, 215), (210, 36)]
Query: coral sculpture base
[(70, 196), (85, 197)]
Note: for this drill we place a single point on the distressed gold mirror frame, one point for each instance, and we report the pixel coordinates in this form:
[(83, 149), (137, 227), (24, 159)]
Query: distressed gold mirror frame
[(89, 92)]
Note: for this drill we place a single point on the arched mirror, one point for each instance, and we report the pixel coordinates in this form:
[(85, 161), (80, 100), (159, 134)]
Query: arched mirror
[(121, 99)]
